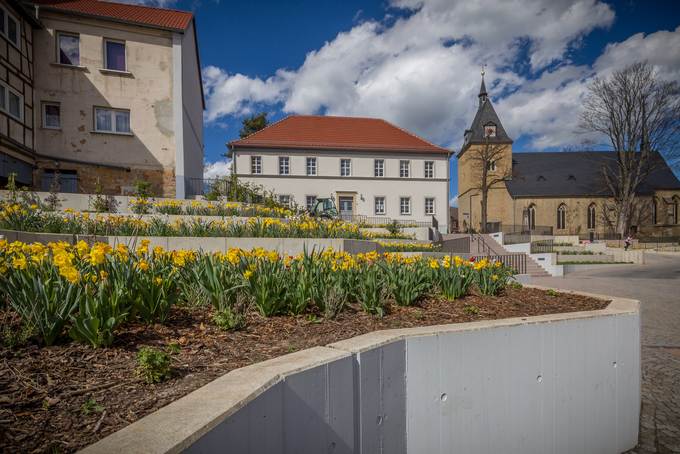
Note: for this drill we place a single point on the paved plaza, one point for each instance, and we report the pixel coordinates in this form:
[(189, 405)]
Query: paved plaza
[(657, 286)]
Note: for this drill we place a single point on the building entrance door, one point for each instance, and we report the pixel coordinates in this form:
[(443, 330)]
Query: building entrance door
[(346, 207)]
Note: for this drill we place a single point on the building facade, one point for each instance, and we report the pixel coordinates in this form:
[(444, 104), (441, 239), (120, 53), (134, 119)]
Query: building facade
[(17, 81), (371, 169), (118, 98), (561, 192)]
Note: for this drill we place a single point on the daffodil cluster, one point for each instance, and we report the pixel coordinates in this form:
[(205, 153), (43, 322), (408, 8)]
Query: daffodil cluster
[(90, 290), (18, 217)]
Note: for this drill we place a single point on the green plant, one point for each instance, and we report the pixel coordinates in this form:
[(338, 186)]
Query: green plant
[(102, 308), (43, 298), (516, 285), (232, 317), (153, 365), (52, 201), (393, 228), (91, 406), (268, 286), (11, 187), (471, 309), (452, 277), (551, 292), (101, 203), (174, 348), (407, 282), (491, 277), (13, 337), (371, 290)]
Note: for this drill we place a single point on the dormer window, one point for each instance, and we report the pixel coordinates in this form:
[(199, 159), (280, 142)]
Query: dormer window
[(540, 178), (571, 178), (490, 130)]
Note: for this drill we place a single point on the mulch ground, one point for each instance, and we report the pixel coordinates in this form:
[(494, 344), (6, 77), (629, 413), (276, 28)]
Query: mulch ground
[(43, 390)]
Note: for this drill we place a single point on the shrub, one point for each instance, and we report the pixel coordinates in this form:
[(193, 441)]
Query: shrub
[(153, 365)]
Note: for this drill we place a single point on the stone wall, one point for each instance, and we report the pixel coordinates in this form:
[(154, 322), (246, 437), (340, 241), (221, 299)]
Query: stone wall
[(114, 180)]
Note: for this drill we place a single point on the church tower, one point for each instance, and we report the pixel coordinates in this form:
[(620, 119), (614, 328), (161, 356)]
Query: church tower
[(486, 135)]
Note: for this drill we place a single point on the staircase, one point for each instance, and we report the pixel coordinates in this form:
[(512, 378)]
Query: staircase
[(485, 244)]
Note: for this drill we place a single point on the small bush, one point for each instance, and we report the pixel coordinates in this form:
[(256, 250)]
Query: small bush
[(91, 406), (153, 365), (471, 309)]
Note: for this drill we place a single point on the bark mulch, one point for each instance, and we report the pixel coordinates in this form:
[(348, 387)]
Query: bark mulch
[(64, 397)]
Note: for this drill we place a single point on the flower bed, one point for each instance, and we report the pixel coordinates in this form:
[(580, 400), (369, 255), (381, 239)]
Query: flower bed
[(69, 395), (395, 246), (200, 208), (32, 219)]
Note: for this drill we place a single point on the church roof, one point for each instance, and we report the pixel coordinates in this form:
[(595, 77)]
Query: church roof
[(573, 174)]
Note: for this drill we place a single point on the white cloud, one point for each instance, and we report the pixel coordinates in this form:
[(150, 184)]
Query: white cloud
[(421, 71), (217, 169), (453, 201)]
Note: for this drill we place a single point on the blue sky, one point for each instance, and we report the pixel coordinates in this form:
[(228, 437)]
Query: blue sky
[(416, 63)]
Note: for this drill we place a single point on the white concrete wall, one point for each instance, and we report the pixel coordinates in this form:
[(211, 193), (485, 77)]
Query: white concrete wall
[(192, 106), (362, 182), (562, 383)]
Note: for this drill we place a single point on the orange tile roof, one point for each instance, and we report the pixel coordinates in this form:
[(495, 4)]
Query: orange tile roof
[(142, 15), (336, 133)]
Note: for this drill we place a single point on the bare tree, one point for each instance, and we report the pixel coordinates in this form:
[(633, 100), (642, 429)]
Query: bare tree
[(639, 114), (490, 171)]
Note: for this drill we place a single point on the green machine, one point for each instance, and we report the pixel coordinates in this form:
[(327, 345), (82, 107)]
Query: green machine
[(324, 209)]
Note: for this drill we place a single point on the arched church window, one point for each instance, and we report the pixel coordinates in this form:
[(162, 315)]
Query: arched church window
[(531, 217), (591, 216), (562, 217), (674, 208), (654, 209)]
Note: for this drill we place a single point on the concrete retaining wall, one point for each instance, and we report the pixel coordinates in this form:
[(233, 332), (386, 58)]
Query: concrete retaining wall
[(287, 246), (584, 258), (561, 383), (591, 266), (636, 256)]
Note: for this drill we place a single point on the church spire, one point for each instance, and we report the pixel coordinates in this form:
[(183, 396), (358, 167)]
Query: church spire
[(483, 95)]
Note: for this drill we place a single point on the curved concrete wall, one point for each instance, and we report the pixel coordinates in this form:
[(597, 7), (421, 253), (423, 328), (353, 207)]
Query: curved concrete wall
[(560, 383)]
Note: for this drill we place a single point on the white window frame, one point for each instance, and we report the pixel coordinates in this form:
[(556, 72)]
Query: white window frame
[(591, 217), (307, 204), (401, 206), (434, 204), (407, 173), (5, 27), (112, 112), (4, 106), (106, 56), (59, 34), (380, 174), (561, 217), (314, 167), (375, 205), (44, 106), (256, 165), (349, 167), (284, 196), (425, 170), (284, 165)]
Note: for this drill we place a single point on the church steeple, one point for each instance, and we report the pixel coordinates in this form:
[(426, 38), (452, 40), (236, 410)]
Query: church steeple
[(483, 95), (486, 126)]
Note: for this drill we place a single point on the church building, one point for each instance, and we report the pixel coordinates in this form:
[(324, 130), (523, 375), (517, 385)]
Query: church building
[(560, 193)]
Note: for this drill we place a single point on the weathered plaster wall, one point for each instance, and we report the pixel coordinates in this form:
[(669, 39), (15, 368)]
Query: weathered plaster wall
[(146, 91)]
